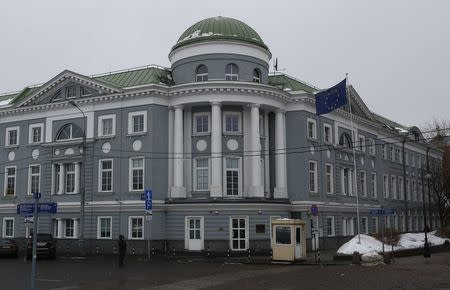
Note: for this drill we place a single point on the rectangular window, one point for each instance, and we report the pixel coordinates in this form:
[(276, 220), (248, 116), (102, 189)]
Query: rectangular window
[(329, 178), (106, 125), (71, 92), (201, 123), (408, 189), (391, 154), (313, 176), (105, 175), (239, 237), (136, 228), (374, 224), (364, 226), (232, 122), (363, 181), (8, 227), (70, 177), (419, 191), (383, 151), (283, 235), (373, 185), (414, 190), (386, 186), (413, 160), (12, 136), (137, 122), (201, 174), (362, 143), (104, 228), (372, 146), (34, 177), (10, 181), (406, 158), (311, 128), (136, 173), (35, 134), (327, 133), (401, 192), (232, 176), (346, 182), (330, 226), (69, 228), (419, 161), (393, 187)]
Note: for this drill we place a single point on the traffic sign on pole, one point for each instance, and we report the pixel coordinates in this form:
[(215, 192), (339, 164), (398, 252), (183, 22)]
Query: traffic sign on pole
[(44, 207), (314, 210), (148, 199)]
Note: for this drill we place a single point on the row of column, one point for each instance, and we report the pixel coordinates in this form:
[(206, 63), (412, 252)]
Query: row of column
[(254, 154)]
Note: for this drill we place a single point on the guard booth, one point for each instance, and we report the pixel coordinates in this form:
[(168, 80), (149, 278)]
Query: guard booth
[(288, 239)]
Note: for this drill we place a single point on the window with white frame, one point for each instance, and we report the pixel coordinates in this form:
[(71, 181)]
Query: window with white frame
[(399, 156), (386, 186), (373, 185), (419, 161), (34, 179), (361, 143), (401, 192), (329, 178), (69, 228), (136, 173), (311, 127), (391, 153), (10, 180), (238, 233), (327, 133), (201, 73), (408, 189), (393, 187), (346, 181), (12, 136), (231, 72), (8, 227), (330, 226), (413, 160), (201, 123), (256, 75), (375, 224), (70, 177), (414, 190), (136, 228), (137, 122), (36, 133), (201, 174), (419, 191), (364, 225), (232, 122), (107, 125), (105, 175), (69, 132), (383, 151), (71, 92), (232, 176), (104, 227), (313, 176), (363, 182), (372, 148)]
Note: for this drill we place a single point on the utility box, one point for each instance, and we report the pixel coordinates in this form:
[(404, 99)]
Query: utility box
[(288, 240)]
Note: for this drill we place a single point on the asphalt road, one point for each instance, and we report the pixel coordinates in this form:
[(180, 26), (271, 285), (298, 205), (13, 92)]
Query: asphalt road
[(103, 273)]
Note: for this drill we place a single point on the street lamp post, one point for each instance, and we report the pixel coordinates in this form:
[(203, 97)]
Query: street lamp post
[(83, 191), (426, 248)]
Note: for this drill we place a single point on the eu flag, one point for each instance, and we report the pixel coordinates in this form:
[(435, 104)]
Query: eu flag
[(331, 99)]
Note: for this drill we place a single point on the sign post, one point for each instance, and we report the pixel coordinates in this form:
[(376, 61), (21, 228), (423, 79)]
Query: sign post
[(149, 214), (314, 232), (37, 196)]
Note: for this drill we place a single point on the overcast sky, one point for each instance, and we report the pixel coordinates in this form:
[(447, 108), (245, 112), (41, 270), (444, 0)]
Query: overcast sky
[(397, 53)]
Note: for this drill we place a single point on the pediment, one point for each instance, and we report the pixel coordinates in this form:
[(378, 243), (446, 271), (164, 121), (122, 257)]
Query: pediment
[(359, 108), (67, 86)]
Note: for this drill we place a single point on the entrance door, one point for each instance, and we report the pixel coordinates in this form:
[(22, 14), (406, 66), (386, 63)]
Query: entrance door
[(194, 233), (298, 242)]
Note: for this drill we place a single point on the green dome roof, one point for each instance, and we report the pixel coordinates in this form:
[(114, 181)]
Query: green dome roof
[(220, 28)]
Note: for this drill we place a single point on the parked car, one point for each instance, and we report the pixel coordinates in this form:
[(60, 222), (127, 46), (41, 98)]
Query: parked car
[(45, 247), (8, 247)]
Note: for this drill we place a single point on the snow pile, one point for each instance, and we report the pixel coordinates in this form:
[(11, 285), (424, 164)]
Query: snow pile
[(198, 33), (371, 259), (416, 240), (368, 244)]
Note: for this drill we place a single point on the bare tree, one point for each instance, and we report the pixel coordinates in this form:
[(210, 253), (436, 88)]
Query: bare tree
[(439, 182), (436, 129)]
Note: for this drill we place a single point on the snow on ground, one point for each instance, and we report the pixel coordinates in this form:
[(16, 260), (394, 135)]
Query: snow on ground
[(407, 241)]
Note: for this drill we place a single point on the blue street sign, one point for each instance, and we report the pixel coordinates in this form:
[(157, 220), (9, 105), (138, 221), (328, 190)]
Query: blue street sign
[(382, 212), (37, 195), (314, 210), (148, 199), (45, 207)]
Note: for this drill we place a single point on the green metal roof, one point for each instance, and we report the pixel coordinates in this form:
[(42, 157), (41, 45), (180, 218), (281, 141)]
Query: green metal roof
[(220, 28), (390, 123), (286, 82), (138, 77)]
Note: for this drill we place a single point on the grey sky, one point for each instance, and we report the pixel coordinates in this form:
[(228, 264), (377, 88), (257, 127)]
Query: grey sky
[(397, 53)]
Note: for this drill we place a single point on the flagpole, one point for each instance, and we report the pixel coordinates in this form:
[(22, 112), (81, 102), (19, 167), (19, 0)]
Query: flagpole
[(354, 164)]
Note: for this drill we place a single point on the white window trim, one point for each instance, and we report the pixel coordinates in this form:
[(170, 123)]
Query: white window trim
[(316, 185), (4, 227), (194, 125), (195, 174), (224, 165), (75, 229), (6, 181), (375, 219), (386, 186), (333, 226), (239, 114), (100, 170), (324, 133), (15, 128), (246, 232), (363, 188), (366, 228), (361, 144), (30, 133), (100, 125), (372, 147), (67, 172), (375, 187), (331, 178), (130, 230), (394, 186), (130, 122), (186, 231), (314, 131), (99, 228), (130, 174), (30, 175)]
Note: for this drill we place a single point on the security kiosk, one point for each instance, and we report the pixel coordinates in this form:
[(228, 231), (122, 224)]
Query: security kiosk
[(288, 239)]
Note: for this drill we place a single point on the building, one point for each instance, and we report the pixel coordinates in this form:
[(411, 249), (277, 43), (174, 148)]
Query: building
[(225, 146)]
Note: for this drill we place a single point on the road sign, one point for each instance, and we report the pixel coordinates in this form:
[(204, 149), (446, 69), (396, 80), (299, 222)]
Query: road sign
[(45, 207), (314, 210), (28, 220), (148, 199), (382, 212)]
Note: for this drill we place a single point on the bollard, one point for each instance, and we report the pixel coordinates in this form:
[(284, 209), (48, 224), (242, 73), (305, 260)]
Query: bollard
[(249, 255), (207, 252), (114, 250), (318, 256), (356, 258), (67, 250), (153, 251), (173, 253), (133, 251), (96, 249), (228, 252)]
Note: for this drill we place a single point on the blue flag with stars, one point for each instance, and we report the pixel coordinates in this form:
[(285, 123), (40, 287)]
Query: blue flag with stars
[(331, 99)]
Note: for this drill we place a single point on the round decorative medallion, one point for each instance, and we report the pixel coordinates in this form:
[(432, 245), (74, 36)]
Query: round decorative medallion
[(373, 164), (232, 144), (69, 151), (35, 153), (328, 153), (106, 147), (57, 152), (201, 145), (11, 156), (362, 160), (312, 150), (137, 145)]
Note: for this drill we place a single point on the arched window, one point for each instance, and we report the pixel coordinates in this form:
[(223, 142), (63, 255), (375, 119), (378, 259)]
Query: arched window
[(345, 140), (68, 132), (231, 72), (201, 74), (256, 75)]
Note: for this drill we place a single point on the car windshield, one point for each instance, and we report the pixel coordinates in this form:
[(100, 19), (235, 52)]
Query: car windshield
[(44, 237)]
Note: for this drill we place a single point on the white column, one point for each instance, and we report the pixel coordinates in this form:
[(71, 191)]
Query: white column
[(280, 190), (61, 178), (170, 159), (216, 150), (77, 177), (75, 228), (52, 188), (256, 189), (59, 224), (178, 190)]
